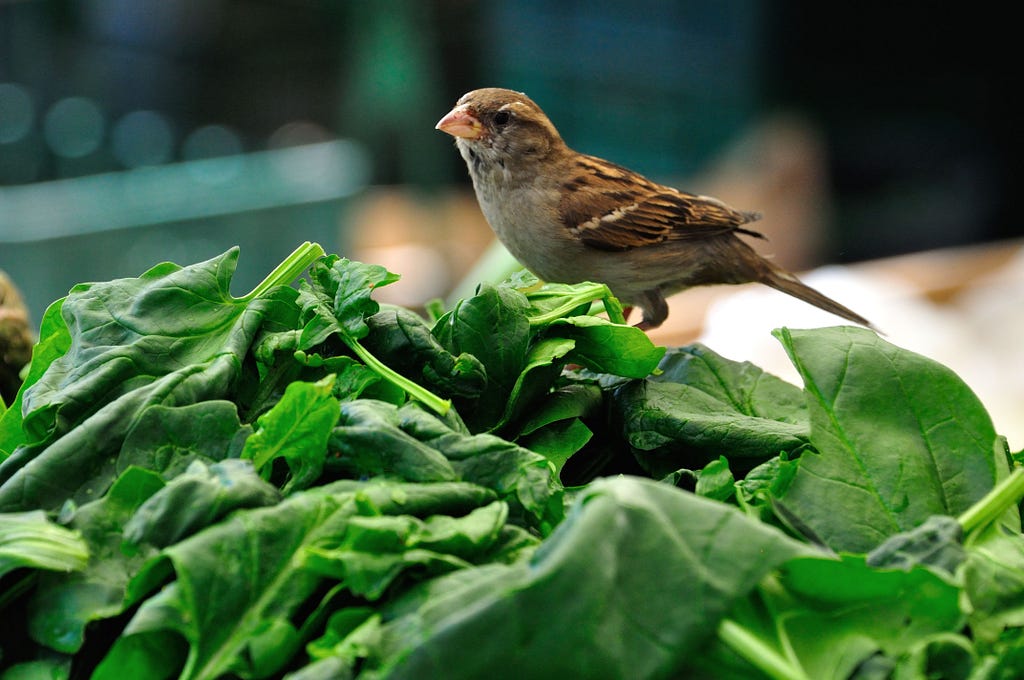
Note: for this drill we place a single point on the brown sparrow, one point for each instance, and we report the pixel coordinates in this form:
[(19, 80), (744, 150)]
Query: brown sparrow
[(569, 217)]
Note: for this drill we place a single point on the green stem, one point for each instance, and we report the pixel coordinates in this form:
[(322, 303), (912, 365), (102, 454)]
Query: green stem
[(992, 506), (758, 654), (289, 270), (594, 293), (416, 391)]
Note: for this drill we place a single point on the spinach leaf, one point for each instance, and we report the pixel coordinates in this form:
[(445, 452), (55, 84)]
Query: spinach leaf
[(173, 336), (702, 406), (375, 438), (54, 341), (337, 302), (493, 327), (257, 562), (64, 604), (197, 498), (617, 615), (168, 439), (29, 539), (296, 429), (404, 341), (899, 438)]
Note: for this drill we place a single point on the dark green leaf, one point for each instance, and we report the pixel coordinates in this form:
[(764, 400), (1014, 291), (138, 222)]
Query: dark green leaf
[(64, 604), (168, 439), (197, 498), (493, 327), (54, 341), (704, 406), (619, 567), (172, 337), (254, 562)]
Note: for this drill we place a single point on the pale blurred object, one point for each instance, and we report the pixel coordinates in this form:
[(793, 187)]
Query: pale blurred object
[(16, 338), (960, 307)]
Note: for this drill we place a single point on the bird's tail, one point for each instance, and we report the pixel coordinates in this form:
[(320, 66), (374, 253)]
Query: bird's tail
[(787, 283)]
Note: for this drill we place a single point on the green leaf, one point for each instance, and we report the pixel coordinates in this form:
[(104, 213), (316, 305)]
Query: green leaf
[(843, 611), (703, 406), (174, 336), (337, 303), (900, 438), (627, 555), (168, 439), (994, 581), (54, 341), (403, 340), (493, 327), (606, 347), (29, 539), (376, 550), (543, 365), (254, 561), (551, 301), (716, 480), (374, 438), (197, 498), (296, 429), (64, 604)]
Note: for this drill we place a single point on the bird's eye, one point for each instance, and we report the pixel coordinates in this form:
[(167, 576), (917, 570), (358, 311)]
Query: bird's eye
[(501, 118)]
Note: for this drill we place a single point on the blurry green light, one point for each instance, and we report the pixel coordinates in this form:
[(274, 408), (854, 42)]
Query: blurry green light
[(73, 127)]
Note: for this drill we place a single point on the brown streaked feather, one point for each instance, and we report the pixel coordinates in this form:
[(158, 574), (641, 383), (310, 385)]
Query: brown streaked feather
[(626, 210)]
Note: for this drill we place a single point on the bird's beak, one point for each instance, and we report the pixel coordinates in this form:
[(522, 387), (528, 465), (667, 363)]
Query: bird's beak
[(459, 122)]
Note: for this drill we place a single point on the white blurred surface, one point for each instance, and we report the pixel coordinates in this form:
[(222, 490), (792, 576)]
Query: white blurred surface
[(976, 327)]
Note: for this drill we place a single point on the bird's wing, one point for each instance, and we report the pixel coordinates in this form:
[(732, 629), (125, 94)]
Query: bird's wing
[(611, 208)]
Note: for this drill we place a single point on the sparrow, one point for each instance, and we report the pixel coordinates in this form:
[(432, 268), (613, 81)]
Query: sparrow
[(569, 217)]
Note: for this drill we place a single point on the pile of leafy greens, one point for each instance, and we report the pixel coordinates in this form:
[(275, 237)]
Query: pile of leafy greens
[(303, 483)]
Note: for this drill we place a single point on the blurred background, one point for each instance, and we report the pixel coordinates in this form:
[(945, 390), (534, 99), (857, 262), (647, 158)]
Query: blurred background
[(877, 139)]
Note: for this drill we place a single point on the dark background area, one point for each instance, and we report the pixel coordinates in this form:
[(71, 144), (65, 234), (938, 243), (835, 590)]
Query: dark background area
[(912, 102)]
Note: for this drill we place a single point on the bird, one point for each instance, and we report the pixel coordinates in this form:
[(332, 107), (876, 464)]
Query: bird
[(569, 217)]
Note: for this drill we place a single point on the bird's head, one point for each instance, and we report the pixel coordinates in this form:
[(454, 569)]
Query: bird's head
[(494, 120)]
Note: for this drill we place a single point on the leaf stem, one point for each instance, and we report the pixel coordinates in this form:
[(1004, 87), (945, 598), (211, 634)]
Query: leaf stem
[(593, 293), (760, 655), (416, 391), (289, 270), (1006, 493)]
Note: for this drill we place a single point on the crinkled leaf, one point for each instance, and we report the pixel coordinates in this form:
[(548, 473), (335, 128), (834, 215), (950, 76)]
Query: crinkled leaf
[(704, 406), (254, 561), (404, 341), (375, 438), (375, 551), (173, 336), (900, 438), (198, 498), (342, 291), (168, 439), (614, 618), (64, 604)]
